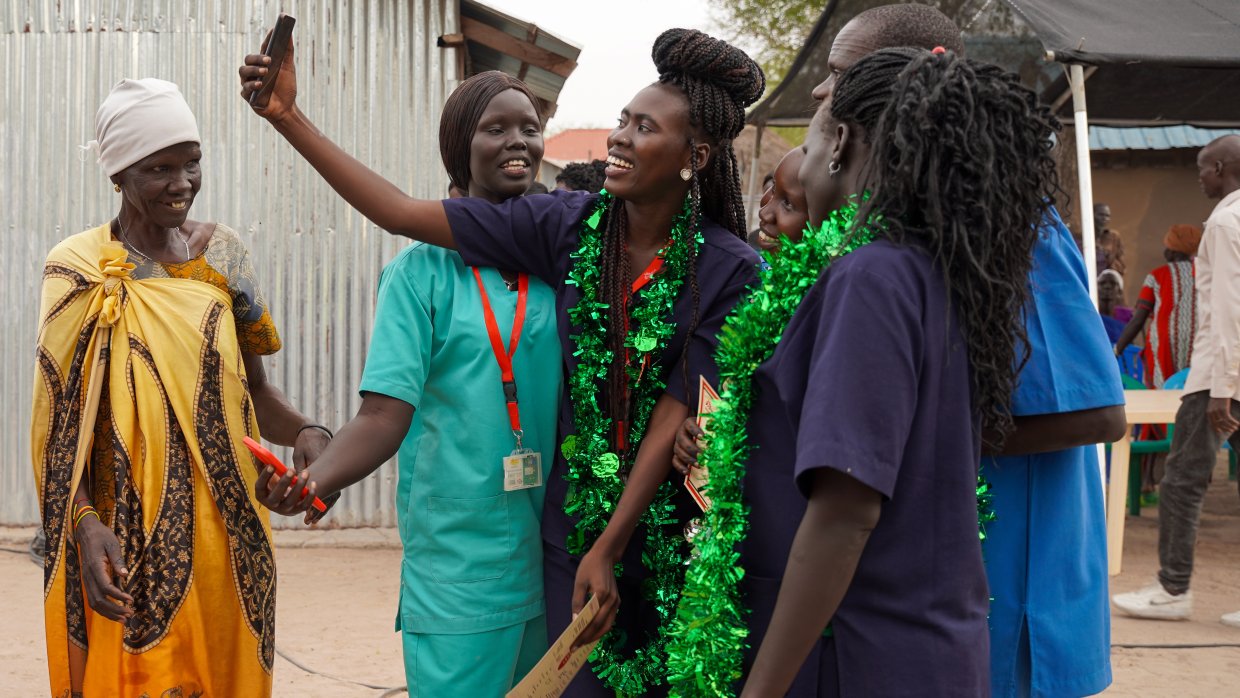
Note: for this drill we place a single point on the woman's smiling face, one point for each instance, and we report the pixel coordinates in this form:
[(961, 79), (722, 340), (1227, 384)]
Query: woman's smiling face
[(650, 145), (507, 148), (161, 187), (784, 211)]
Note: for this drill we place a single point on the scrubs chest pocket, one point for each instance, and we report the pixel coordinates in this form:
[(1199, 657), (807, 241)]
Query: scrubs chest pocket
[(470, 539)]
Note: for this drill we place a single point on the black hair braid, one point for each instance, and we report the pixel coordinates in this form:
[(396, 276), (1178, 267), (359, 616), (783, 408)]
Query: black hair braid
[(960, 165), (695, 217), (615, 289), (719, 81)]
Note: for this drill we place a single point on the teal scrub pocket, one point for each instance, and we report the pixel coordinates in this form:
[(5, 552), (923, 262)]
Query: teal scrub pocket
[(470, 539)]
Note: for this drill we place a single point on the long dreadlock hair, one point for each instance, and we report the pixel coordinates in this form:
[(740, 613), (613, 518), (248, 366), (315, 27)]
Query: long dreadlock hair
[(960, 165), (719, 81)]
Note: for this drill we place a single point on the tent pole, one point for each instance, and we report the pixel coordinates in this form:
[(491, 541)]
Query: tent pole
[(1089, 242), (1076, 77), (751, 212)]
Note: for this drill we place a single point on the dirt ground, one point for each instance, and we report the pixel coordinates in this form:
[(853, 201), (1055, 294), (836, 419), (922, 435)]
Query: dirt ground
[(337, 606)]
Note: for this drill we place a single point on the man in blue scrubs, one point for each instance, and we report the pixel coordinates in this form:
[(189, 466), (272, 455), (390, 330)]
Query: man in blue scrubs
[(1045, 554)]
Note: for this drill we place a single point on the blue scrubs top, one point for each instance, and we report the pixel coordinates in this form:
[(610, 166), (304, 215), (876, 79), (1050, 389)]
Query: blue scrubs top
[(472, 551), (1045, 554), (871, 378)]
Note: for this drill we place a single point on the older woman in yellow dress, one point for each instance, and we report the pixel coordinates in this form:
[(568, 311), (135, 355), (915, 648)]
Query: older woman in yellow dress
[(159, 578)]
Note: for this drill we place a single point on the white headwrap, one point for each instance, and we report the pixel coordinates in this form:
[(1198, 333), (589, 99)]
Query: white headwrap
[(1112, 274), (140, 117)]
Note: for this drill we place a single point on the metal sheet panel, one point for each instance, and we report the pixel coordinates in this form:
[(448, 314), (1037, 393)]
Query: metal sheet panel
[(1153, 137), (372, 78)]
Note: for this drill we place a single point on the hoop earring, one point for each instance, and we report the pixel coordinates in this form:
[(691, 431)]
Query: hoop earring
[(833, 168), (686, 174), (116, 188)]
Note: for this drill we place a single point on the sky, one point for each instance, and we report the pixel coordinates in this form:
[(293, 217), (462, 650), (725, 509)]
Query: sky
[(615, 40)]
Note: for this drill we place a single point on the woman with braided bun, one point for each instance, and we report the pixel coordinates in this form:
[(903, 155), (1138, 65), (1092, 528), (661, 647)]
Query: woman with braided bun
[(862, 565), (643, 276)]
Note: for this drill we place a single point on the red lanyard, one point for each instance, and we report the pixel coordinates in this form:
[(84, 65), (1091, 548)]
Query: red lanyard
[(504, 359), (651, 269), (622, 436)]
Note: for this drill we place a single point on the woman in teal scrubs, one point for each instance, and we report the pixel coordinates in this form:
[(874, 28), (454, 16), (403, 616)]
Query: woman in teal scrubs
[(435, 386)]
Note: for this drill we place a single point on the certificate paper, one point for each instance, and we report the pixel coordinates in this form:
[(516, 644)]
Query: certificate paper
[(698, 476), (552, 674)]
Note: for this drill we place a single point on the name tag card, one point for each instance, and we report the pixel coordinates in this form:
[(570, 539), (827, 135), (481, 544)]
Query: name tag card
[(552, 674), (698, 476)]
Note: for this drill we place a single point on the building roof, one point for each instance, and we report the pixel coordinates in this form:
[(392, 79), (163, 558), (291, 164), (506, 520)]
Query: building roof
[(497, 41), (1153, 138), (577, 145)]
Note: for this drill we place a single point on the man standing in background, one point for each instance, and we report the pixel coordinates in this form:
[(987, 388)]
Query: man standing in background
[(1110, 245), (1208, 414)]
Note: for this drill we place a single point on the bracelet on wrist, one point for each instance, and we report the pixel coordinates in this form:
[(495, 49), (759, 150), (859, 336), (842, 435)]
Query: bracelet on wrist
[(320, 427), (80, 515), (78, 505)]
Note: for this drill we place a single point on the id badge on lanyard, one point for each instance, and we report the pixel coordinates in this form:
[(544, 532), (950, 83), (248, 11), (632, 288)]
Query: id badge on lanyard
[(522, 470), (523, 467)]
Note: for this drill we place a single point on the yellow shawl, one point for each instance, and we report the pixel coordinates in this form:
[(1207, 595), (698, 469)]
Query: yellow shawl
[(140, 391)]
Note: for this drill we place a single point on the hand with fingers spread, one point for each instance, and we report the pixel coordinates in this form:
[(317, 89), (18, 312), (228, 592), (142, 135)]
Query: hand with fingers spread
[(596, 576), (103, 570), (282, 100), (687, 447)]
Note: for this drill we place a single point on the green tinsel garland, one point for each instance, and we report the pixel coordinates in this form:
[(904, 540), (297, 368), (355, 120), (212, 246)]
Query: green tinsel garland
[(985, 508), (593, 475), (709, 630)]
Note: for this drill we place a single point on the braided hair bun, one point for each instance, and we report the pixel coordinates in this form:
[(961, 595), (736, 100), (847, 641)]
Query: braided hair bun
[(714, 74)]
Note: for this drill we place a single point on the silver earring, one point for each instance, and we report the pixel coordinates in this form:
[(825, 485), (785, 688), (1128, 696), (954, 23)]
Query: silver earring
[(833, 168), (686, 174)]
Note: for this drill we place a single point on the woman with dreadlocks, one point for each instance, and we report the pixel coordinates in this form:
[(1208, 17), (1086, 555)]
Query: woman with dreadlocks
[(643, 276), (860, 561)]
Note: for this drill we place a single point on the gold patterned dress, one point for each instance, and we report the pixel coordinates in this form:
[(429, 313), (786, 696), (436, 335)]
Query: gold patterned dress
[(140, 391)]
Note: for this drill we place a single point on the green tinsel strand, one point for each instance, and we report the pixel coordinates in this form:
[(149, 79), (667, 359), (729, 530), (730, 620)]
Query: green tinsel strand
[(593, 468), (985, 507)]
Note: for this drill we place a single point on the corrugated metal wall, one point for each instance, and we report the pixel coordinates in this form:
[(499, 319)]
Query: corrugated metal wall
[(371, 76)]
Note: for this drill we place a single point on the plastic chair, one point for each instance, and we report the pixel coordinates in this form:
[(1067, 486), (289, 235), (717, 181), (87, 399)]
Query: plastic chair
[(1177, 380), (1139, 448), (1131, 363)]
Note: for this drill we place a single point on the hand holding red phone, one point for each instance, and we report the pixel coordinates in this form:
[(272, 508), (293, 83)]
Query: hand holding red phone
[(269, 494)]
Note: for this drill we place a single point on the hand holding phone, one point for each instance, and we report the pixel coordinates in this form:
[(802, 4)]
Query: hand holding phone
[(278, 45), (268, 458)]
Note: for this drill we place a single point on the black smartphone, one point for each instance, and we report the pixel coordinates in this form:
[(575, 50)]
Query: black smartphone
[(277, 46)]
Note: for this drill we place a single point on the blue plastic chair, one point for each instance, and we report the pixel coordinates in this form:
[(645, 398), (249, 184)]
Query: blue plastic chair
[(1177, 380), (1138, 449), (1131, 364)]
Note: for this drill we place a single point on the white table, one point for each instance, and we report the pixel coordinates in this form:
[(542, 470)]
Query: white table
[(1141, 407)]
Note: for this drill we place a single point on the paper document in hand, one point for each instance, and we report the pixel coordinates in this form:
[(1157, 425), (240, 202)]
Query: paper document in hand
[(552, 674), (698, 476)]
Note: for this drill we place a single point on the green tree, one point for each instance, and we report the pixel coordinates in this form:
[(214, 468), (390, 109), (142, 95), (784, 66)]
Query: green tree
[(773, 31)]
